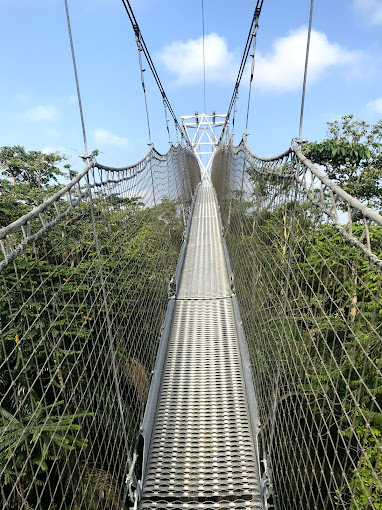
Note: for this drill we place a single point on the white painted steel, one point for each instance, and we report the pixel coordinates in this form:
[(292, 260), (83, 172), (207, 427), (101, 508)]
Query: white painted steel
[(203, 137)]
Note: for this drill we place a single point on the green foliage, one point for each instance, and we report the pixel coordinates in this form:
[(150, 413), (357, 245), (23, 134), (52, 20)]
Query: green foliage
[(33, 167), (55, 354), (35, 436), (327, 335), (365, 486), (336, 153), (352, 157), (28, 180)]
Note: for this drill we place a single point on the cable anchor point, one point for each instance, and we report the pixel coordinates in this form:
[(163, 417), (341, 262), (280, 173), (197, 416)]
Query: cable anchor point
[(299, 141)]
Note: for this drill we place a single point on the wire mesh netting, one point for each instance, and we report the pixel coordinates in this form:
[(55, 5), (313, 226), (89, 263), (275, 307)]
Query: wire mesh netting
[(306, 261), (85, 280)]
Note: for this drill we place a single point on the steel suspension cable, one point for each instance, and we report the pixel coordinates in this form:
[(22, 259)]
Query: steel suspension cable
[(247, 48), (139, 45), (306, 69), (150, 63), (252, 66), (233, 115), (76, 77), (204, 62), (166, 117), (100, 271)]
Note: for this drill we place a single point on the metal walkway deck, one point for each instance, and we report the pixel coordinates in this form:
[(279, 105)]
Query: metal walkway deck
[(202, 453)]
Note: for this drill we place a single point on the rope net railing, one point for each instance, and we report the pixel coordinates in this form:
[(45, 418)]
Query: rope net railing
[(306, 258), (84, 282)]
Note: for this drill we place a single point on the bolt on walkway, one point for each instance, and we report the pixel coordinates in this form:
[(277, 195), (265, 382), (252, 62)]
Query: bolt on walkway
[(203, 451)]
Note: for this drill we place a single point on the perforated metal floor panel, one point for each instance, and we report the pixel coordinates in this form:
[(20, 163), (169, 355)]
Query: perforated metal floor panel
[(202, 453)]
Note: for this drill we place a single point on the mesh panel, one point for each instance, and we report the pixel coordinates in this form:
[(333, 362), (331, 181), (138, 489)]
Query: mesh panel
[(308, 280), (84, 282)]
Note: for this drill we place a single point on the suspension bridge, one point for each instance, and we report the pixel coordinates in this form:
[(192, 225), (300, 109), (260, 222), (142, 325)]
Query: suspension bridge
[(199, 330)]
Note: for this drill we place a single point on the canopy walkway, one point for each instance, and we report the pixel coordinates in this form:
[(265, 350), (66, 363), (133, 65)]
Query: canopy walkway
[(289, 416), (176, 335)]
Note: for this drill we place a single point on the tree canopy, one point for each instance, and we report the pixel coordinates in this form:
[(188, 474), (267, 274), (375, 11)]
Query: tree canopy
[(33, 167), (352, 157), (28, 178)]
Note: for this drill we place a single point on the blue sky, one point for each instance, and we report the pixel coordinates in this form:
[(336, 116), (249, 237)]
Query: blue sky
[(37, 89)]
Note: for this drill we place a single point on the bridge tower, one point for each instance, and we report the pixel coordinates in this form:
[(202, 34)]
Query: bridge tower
[(203, 131)]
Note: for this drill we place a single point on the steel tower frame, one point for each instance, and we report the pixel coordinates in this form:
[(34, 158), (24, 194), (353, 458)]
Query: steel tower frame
[(201, 133)]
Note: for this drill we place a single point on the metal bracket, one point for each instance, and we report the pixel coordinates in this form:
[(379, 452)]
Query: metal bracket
[(298, 141), (172, 286), (131, 480), (265, 486)]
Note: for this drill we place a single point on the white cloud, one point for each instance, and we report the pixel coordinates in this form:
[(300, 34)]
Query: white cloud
[(370, 10), (104, 137), (376, 105), (72, 100), (185, 60), (41, 113), (282, 69)]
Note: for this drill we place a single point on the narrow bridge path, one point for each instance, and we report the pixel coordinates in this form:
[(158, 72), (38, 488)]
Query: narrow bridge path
[(203, 452)]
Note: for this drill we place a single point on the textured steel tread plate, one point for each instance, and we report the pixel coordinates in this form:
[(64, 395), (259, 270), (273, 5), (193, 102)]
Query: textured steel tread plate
[(202, 445), (221, 505), (204, 274), (202, 454), (205, 226)]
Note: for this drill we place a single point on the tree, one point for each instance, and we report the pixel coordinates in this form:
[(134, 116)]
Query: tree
[(33, 167), (352, 157), (13, 161), (28, 180)]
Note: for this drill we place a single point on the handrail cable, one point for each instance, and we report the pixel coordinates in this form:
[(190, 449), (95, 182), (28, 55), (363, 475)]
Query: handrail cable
[(247, 48), (146, 52)]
